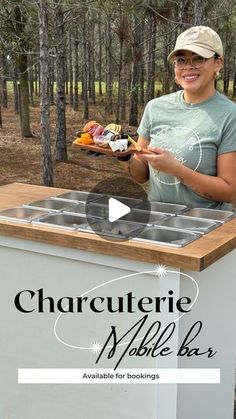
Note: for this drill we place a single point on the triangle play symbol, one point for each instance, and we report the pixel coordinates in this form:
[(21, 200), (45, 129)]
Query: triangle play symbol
[(116, 209)]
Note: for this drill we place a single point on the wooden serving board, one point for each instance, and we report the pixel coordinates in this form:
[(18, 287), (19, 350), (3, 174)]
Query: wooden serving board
[(92, 147)]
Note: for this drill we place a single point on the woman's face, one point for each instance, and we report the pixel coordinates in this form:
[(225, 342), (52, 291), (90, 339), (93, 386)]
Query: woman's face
[(197, 81)]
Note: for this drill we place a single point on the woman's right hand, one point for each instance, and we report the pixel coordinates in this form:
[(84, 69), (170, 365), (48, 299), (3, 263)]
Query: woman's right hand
[(162, 160)]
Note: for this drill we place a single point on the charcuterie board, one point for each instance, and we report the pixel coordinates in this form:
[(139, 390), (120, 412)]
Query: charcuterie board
[(108, 151)]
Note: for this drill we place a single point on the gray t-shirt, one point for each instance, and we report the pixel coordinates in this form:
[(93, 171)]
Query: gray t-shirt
[(195, 134)]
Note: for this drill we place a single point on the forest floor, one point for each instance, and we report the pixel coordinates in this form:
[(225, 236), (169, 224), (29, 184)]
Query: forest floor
[(21, 158)]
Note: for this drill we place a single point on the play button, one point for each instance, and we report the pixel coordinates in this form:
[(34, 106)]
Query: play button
[(112, 209), (116, 210)]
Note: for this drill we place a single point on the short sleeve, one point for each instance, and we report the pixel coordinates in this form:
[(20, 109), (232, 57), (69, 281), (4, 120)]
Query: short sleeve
[(144, 127), (228, 142)]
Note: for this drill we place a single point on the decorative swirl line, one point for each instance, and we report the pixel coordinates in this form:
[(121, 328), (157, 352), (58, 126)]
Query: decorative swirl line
[(115, 280)]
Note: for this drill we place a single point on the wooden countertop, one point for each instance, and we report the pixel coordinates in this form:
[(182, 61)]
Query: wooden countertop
[(196, 256)]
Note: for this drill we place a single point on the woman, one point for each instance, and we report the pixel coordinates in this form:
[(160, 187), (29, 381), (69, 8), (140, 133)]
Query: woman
[(192, 132)]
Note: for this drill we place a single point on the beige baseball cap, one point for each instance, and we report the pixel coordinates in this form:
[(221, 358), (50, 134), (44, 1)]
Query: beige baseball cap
[(199, 39)]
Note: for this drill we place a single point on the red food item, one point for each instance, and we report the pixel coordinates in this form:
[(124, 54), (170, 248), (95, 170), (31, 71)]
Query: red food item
[(98, 131), (90, 125)]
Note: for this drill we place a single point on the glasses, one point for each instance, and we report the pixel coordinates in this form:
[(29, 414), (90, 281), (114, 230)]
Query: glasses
[(196, 61)]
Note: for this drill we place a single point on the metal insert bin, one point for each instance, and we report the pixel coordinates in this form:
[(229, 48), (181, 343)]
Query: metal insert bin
[(78, 196), (144, 217), (211, 214), (162, 207), (167, 236), (90, 209), (118, 229), (25, 215), (50, 205), (130, 202), (202, 226), (65, 221)]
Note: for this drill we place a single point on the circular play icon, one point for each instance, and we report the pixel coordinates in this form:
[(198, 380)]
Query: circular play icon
[(114, 209)]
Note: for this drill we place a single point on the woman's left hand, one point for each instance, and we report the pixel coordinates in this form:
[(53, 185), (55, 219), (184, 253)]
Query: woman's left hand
[(162, 160)]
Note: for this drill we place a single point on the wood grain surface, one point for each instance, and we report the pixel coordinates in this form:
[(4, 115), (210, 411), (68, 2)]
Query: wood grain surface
[(109, 152), (196, 256)]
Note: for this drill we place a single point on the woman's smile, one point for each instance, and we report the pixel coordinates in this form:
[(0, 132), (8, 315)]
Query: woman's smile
[(190, 77)]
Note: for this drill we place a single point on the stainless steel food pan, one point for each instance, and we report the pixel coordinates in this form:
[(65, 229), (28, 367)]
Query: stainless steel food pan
[(162, 207), (211, 214), (117, 229), (25, 215), (78, 196), (144, 217), (90, 209), (130, 202), (64, 221), (50, 204), (202, 226), (167, 236)]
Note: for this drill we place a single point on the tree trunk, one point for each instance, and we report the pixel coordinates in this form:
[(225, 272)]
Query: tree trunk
[(185, 14), (166, 66), (52, 79), (123, 90), (24, 87), (31, 85), (36, 76), (3, 78), (124, 87), (100, 41), (123, 70), (91, 66), (226, 67), (141, 72), (226, 81), (66, 78), (85, 63), (151, 60), (23, 74), (70, 68), (39, 80), (16, 101), (118, 110), (137, 54), (199, 12), (44, 103), (76, 70), (61, 149), (109, 104)]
